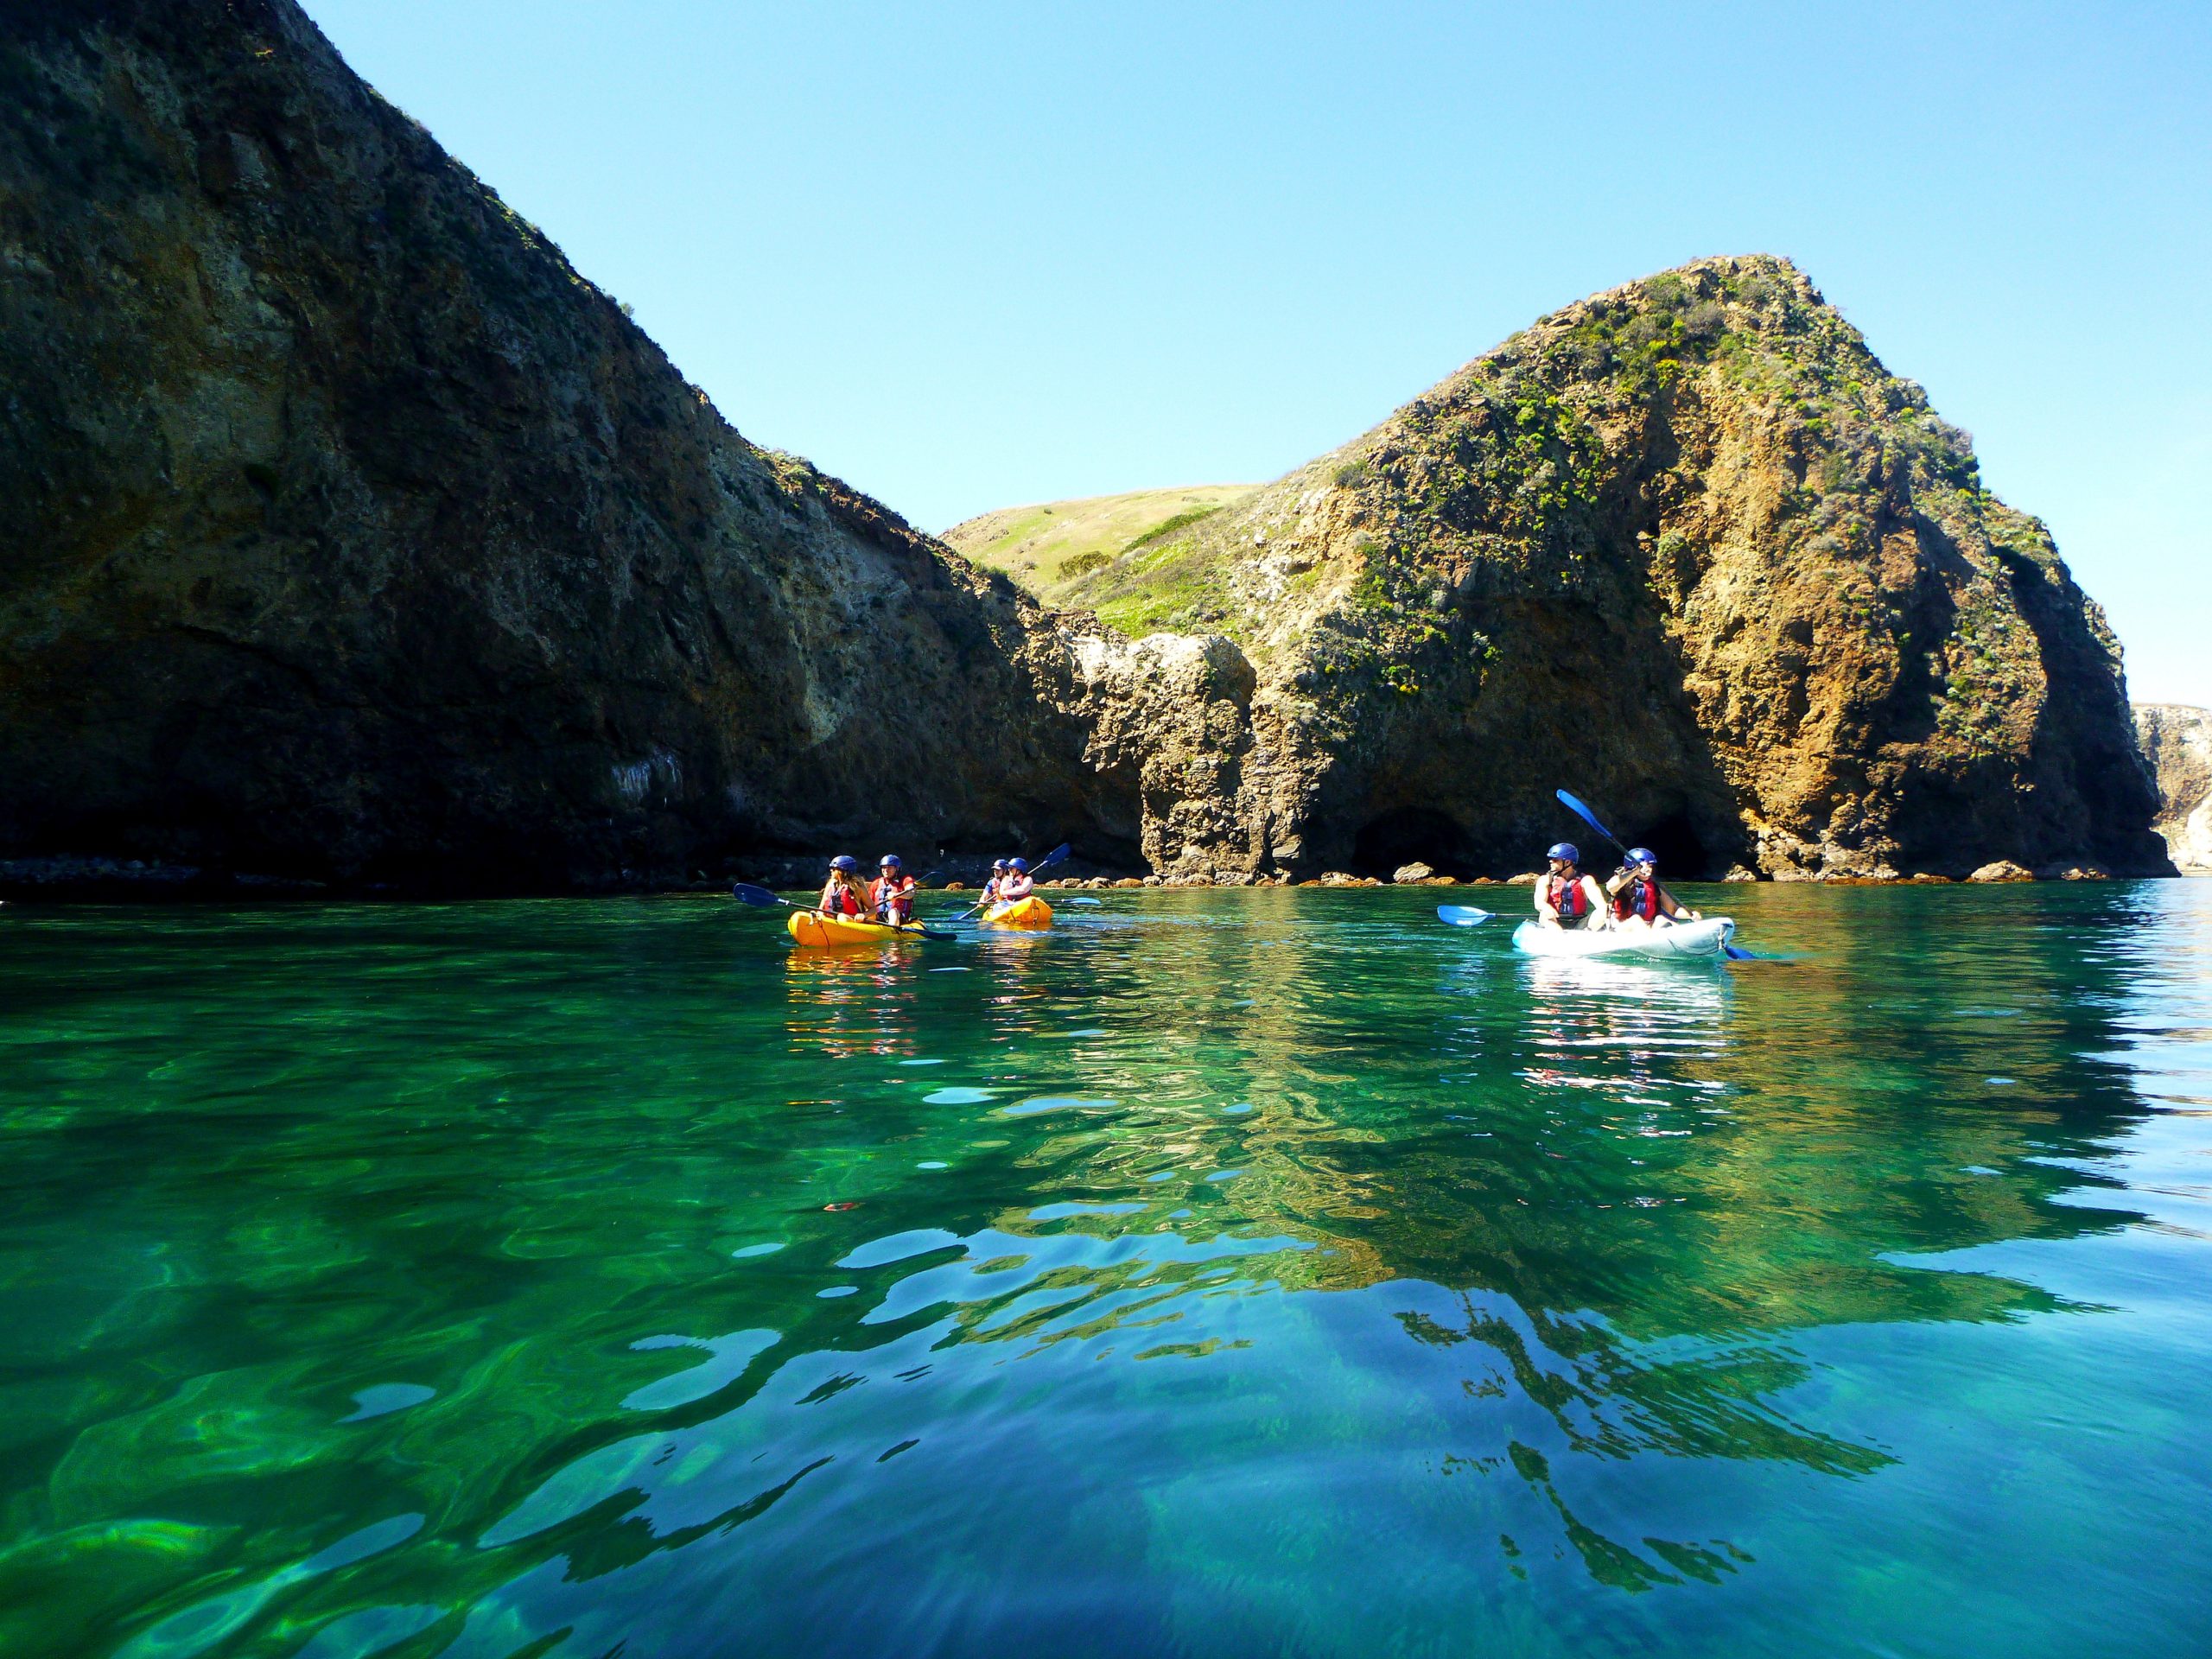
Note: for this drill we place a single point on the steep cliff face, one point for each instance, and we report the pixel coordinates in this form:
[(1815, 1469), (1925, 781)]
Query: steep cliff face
[(347, 531), (1685, 547), (2177, 743)]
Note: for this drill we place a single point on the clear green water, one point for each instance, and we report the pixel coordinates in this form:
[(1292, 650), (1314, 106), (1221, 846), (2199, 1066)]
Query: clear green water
[(1223, 1273)]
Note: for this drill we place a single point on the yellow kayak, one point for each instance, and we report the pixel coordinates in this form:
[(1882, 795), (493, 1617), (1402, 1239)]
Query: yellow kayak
[(808, 928), (1031, 912)]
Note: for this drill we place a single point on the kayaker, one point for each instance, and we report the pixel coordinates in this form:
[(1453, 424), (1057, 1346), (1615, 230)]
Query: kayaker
[(1015, 885), (998, 877), (843, 893), (1565, 897), (1638, 901), (891, 895)]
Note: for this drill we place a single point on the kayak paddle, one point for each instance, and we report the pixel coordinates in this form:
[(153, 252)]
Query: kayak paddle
[(1735, 953), (746, 892), (1462, 915), (1044, 863)]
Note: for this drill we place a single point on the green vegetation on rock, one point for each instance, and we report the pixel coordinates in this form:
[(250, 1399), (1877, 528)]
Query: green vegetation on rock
[(1051, 546), (1689, 532)]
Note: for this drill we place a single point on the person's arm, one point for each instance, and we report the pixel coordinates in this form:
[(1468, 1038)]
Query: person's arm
[(1669, 908), (1601, 907)]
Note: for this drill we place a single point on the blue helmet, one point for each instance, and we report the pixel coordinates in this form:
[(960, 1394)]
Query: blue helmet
[(1644, 855), (844, 861), (890, 862), (998, 863), (1021, 864), (1566, 851)]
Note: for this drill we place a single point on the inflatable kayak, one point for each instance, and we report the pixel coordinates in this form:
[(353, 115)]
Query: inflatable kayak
[(1700, 941), (1031, 912), (808, 928)]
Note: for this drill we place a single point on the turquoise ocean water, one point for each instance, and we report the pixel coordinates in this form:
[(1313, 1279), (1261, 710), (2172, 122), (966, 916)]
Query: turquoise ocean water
[(1221, 1273)]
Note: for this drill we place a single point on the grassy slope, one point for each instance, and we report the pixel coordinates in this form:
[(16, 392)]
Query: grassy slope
[(1034, 544)]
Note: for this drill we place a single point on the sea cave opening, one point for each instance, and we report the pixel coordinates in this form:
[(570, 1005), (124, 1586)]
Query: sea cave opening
[(1681, 853), (1409, 834)]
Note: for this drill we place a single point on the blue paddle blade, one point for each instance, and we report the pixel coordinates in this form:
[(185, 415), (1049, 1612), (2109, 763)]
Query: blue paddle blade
[(752, 895), (1462, 915), (1583, 813), (1083, 901)]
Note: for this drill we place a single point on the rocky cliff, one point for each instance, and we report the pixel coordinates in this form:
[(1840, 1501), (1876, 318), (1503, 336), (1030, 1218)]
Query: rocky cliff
[(1685, 548), (2177, 743), (347, 532)]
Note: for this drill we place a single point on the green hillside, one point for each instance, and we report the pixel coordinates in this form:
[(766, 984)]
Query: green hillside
[(1050, 546)]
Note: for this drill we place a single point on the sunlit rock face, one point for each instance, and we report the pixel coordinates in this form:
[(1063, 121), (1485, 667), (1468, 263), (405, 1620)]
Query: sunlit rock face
[(1685, 547), (347, 532), (2177, 743)]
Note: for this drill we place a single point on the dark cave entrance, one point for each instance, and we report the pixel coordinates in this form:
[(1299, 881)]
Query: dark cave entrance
[(1681, 853), (1411, 835)]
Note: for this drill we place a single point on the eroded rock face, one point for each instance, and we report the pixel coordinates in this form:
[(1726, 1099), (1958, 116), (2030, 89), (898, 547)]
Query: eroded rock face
[(2177, 742), (1689, 550), (347, 531)]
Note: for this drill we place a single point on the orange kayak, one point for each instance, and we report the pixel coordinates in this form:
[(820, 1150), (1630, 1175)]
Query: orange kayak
[(1031, 912), (810, 929)]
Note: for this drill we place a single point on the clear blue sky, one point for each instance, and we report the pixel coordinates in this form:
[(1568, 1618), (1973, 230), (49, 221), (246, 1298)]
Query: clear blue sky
[(974, 255)]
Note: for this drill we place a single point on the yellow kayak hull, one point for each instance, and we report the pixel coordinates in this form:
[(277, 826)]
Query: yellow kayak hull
[(1030, 913), (808, 928)]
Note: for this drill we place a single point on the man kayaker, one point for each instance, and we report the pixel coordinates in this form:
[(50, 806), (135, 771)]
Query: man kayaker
[(891, 895), (1015, 885), (843, 893), (1566, 897), (1638, 901)]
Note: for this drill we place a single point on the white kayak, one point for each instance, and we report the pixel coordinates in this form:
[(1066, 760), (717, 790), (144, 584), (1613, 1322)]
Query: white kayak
[(1699, 940)]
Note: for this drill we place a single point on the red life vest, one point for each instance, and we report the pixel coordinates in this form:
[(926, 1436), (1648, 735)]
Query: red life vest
[(892, 896), (841, 902), (1566, 896), (1016, 886), (1637, 898)]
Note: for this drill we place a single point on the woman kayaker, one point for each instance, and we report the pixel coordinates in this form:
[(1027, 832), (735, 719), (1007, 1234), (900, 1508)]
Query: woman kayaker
[(1015, 885), (843, 893), (1638, 901), (998, 878), (891, 895), (1566, 897)]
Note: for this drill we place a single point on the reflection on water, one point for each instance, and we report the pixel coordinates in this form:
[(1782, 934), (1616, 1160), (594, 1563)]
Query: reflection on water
[(1225, 1273)]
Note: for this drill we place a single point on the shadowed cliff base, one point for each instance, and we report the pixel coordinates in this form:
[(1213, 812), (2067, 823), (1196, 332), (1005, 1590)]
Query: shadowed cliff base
[(352, 537)]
